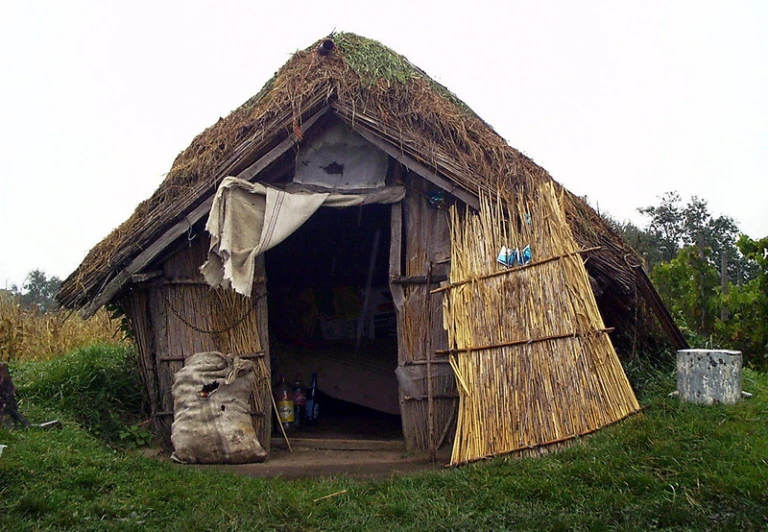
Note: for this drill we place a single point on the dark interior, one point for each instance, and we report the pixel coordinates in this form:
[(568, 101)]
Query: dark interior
[(334, 247), (331, 313)]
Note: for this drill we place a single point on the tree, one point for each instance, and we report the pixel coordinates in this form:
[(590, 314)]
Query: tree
[(666, 226), (747, 303), (689, 285), (38, 291), (673, 225), (714, 281)]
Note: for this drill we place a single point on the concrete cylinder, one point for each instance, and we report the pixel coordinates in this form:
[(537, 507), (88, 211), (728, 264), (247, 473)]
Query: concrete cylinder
[(709, 376)]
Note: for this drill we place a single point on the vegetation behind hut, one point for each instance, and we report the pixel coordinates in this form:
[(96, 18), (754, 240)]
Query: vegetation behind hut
[(29, 333), (712, 277)]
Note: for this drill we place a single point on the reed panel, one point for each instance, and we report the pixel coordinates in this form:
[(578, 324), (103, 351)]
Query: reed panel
[(532, 357)]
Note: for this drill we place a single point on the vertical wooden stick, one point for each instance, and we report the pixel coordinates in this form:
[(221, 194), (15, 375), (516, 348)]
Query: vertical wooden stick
[(430, 384)]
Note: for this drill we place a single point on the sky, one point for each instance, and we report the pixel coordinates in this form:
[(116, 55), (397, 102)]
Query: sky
[(620, 101)]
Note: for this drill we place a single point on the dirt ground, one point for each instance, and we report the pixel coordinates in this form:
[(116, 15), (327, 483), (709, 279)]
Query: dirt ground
[(351, 441), (309, 463)]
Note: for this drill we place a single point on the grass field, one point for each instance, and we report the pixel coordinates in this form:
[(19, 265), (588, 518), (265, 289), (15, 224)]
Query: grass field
[(676, 466)]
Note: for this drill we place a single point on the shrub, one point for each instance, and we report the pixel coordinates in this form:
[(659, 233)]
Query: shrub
[(98, 386)]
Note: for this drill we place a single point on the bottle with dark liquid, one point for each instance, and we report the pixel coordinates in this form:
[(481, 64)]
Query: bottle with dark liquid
[(299, 402), (312, 405), (285, 407)]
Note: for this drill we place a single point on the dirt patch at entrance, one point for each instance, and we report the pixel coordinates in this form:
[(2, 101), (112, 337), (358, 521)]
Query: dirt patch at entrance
[(308, 463), (305, 463)]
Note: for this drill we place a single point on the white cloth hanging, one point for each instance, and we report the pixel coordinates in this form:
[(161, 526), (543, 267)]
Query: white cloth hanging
[(247, 219)]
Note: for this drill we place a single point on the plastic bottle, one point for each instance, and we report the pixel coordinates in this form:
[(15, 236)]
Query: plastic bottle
[(299, 402), (284, 400), (312, 402)]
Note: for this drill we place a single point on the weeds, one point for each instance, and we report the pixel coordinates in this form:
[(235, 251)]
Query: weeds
[(97, 386)]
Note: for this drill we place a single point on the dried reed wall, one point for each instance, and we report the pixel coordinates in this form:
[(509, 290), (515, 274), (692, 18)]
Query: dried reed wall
[(177, 315), (532, 357)]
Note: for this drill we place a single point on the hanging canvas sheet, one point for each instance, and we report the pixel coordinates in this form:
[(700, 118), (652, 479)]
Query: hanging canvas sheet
[(248, 219)]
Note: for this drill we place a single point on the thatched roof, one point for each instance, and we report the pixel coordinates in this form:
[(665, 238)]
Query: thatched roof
[(373, 90)]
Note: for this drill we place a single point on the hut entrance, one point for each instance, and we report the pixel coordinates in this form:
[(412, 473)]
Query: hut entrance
[(331, 313)]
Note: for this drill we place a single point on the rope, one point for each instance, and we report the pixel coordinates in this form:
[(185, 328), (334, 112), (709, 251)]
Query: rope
[(215, 331)]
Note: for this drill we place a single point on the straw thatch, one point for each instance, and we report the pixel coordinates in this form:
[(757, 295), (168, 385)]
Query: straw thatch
[(371, 88), (528, 346)]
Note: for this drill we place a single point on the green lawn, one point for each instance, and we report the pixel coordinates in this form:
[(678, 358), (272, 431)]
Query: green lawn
[(675, 466)]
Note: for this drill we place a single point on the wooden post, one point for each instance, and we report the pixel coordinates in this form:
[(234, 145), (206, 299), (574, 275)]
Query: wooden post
[(709, 376), (9, 408), (430, 384)]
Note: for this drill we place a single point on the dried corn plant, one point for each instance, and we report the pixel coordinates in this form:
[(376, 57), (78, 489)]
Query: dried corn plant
[(532, 358), (32, 335)]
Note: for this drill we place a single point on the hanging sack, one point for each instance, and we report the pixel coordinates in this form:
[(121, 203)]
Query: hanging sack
[(212, 420)]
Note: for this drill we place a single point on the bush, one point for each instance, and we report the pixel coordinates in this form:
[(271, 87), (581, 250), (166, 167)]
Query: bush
[(98, 386)]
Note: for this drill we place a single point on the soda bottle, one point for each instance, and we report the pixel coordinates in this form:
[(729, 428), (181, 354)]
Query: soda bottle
[(299, 402), (284, 401), (312, 401)]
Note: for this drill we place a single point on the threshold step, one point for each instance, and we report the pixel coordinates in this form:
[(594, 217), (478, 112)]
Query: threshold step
[(340, 445)]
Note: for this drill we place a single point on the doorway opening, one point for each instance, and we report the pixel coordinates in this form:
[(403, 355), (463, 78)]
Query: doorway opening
[(331, 313)]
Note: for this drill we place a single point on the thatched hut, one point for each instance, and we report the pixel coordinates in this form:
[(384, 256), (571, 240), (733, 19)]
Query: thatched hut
[(398, 302)]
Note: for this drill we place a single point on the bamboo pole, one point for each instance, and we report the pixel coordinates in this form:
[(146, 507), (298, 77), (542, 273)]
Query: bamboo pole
[(514, 269), (521, 342)]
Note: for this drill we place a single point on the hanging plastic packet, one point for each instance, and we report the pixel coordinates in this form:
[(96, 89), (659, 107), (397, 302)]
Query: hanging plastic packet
[(508, 256), (503, 257), (526, 256)]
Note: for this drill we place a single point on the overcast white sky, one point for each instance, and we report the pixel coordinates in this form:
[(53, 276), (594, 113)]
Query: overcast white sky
[(621, 101)]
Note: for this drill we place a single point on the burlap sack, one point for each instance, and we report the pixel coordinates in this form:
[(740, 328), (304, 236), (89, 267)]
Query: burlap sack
[(212, 423)]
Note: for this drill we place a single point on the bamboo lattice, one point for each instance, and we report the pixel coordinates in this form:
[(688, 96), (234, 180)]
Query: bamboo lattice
[(561, 378)]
